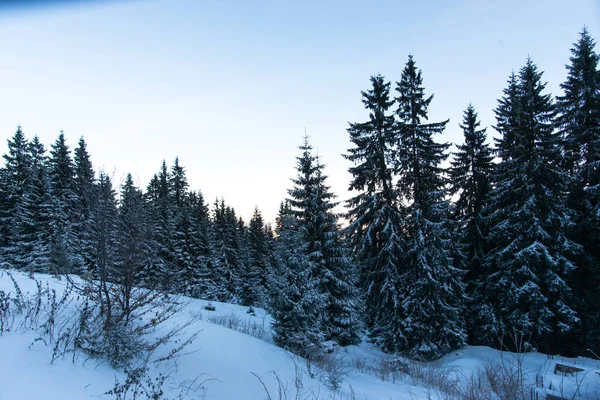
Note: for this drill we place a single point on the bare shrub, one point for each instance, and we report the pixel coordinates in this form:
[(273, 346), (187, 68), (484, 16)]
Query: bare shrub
[(245, 326), (285, 391), (505, 381), (139, 384), (362, 364), (331, 370), (476, 387), (441, 378), (387, 369), (507, 378)]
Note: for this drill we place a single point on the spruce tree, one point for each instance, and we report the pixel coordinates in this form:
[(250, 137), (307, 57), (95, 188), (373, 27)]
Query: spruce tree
[(162, 274), (65, 258), (294, 300), (33, 217), (508, 119), (430, 286), (14, 177), (184, 250), (135, 252), (202, 282), (470, 179), (375, 215), (579, 124), (527, 262), (235, 230), (254, 280), (335, 268), (178, 183), (311, 203), (225, 262), (105, 234), (184, 254), (85, 194)]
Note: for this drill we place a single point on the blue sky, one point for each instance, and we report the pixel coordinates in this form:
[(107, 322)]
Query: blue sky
[(230, 86)]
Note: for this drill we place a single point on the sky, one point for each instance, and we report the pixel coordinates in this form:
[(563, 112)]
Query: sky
[(230, 87)]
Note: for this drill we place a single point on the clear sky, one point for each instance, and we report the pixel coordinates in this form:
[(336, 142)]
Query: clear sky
[(230, 86)]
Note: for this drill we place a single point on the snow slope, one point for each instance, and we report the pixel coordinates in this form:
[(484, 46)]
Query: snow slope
[(226, 360)]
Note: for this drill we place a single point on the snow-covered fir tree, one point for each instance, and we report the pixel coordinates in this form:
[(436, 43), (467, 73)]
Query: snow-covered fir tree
[(430, 287), (183, 244), (375, 216), (294, 300), (203, 279), (65, 257), (14, 177), (527, 263), (135, 251), (227, 266), (160, 216), (312, 204), (105, 232), (254, 277), (470, 180), (335, 269), (579, 124), (33, 218), (85, 190)]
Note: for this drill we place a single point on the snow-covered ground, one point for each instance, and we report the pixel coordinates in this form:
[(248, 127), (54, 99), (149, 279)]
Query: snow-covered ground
[(230, 364)]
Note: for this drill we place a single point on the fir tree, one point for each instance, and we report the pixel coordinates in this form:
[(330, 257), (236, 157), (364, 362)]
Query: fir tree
[(470, 178), (335, 268), (202, 281), (225, 261), (184, 254), (105, 232), (375, 228), (311, 203), (135, 251), (32, 230), (579, 124), (430, 288), (162, 274), (242, 241), (527, 262), (178, 183), (508, 119), (85, 193), (14, 177), (294, 300), (65, 258), (254, 281)]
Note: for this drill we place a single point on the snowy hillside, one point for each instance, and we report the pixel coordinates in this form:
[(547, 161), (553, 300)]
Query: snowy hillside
[(224, 363)]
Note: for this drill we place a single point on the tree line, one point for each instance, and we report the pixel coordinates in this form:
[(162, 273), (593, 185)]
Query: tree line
[(504, 240)]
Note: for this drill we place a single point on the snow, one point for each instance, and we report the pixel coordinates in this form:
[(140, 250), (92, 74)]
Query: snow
[(227, 359)]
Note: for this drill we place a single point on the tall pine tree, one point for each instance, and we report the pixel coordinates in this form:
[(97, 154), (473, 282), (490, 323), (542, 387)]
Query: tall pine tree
[(430, 288), (254, 281), (579, 124), (294, 301), (14, 177), (33, 222), (65, 257), (470, 179), (312, 203), (527, 262), (375, 215), (85, 189)]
